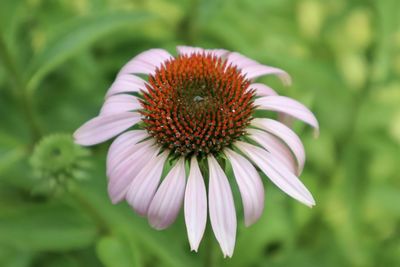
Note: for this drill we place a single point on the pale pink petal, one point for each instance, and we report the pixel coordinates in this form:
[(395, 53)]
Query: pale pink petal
[(250, 186), (120, 103), (123, 146), (240, 61), (146, 62), (126, 83), (276, 147), (262, 89), (288, 106), (120, 161), (167, 201), (222, 207), (195, 205), (188, 50), (286, 135), (222, 53), (144, 186), (253, 69), (122, 174), (277, 173), (102, 128)]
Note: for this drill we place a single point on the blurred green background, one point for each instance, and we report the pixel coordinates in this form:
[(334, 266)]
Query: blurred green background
[(58, 57)]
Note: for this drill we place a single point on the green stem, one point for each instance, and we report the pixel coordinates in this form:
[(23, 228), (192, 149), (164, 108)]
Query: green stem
[(20, 91), (84, 203), (211, 258)]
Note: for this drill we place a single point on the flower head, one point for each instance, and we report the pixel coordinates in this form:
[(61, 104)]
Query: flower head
[(56, 160), (197, 110)]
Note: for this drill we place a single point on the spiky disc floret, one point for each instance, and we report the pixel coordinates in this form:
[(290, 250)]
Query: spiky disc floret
[(197, 104)]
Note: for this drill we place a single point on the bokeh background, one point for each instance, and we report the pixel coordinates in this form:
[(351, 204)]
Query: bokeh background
[(58, 58)]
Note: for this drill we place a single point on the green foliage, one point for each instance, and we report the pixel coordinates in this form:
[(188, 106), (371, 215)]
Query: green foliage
[(57, 59), (76, 36), (113, 252)]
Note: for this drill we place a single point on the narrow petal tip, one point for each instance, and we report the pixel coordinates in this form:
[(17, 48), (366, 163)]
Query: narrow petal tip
[(285, 78), (194, 248), (312, 203)]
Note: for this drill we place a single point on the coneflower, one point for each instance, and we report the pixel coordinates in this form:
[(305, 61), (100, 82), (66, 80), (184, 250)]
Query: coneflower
[(197, 110)]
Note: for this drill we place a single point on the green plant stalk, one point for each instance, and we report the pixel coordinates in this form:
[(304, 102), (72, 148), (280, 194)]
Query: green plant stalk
[(20, 92), (76, 194), (211, 258)]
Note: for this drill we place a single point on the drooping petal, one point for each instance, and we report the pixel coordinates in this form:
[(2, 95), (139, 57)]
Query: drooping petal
[(195, 205), (126, 83), (222, 207), (253, 69), (167, 201), (102, 128), (124, 172), (288, 106), (277, 173), (120, 103), (123, 146), (286, 135), (146, 62), (262, 89), (250, 186), (276, 147), (143, 187), (121, 160)]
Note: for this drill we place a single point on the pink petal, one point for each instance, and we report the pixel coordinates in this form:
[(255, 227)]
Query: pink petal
[(126, 83), (288, 106), (146, 62), (262, 89), (123, 146), (250, 186), (253, 69), (144, 186), (167, 201), (276, 147), (222, 53), (188, 50), (222, 207), (120, 103), (102, 128), (286, 135), (277, 173), (195, 205), (125, 154), (125, 171), (240, 61)]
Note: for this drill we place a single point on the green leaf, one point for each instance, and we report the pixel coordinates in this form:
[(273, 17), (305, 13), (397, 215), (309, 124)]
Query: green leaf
[(13, 258), (273, 231), (39, 227), (164, 245), (76, 36), (114, 252), (9, 158)]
